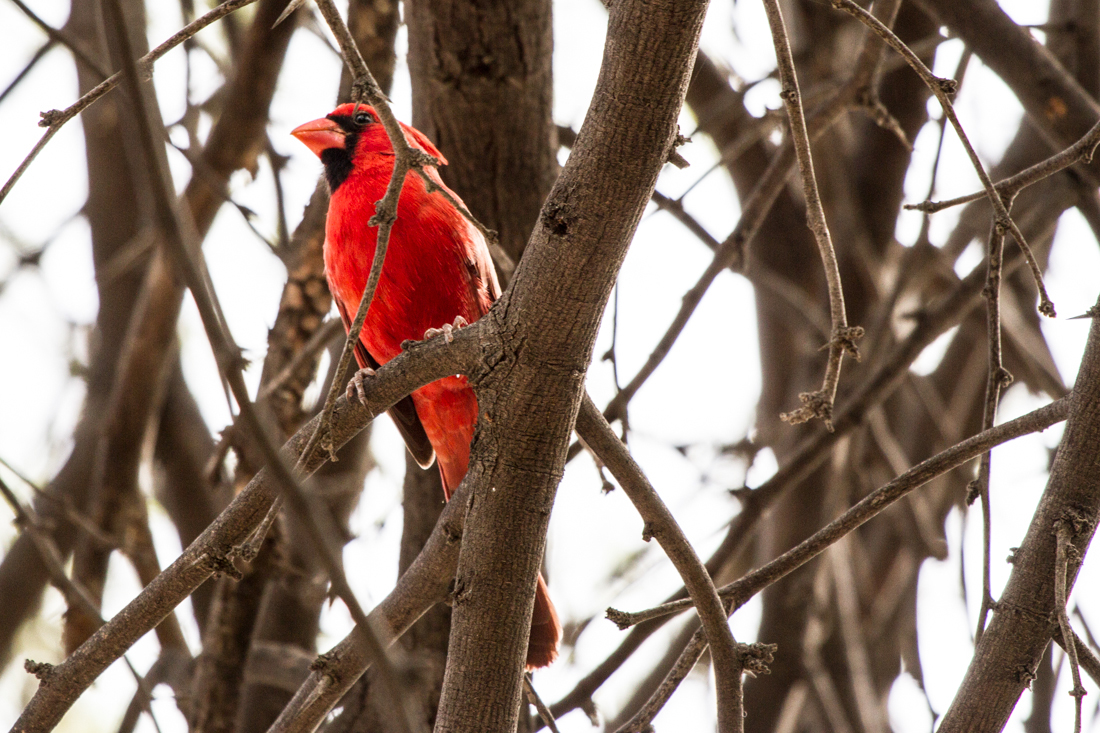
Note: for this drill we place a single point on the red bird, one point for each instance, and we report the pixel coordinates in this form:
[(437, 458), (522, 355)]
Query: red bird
[(437, 273)]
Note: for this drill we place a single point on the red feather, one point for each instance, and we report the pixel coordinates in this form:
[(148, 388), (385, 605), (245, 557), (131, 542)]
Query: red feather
[(437, 267)]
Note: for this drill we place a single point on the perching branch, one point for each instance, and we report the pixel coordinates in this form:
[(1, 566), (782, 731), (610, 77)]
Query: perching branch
[(210, 553)]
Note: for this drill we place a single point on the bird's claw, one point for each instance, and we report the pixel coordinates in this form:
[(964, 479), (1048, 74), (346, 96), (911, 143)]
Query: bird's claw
[(356, 390), (448, 330)]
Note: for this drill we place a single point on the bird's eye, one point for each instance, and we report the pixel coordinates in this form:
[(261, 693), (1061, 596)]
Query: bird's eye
[(363, 118)]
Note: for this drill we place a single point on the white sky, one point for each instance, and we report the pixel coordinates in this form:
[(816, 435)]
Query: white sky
[(704, 393)]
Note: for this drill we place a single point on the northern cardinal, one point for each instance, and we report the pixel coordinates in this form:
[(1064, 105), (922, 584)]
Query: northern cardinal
[(437, 276)]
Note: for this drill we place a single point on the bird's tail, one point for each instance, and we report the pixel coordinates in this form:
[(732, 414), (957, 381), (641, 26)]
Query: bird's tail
[(542, 649)]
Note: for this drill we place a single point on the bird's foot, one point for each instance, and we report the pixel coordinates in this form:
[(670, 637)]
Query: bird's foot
[(448, 330), (356, 390)]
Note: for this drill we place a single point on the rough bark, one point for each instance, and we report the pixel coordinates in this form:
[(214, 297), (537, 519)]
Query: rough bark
[(1010, 650), (530, 393), (482, 92)]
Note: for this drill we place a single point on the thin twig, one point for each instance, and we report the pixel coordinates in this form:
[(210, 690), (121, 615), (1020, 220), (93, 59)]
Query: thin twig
[(854, 633), (59, 36), (843, 340), (730, 657), (1081, 151), (74, 593), (44, 49), (755, 208), (871, 505), (942, 89), (55, 119), (540, 706), (809, 454), (738, 593), (997, 380), (1066, 555), (317, 343), (425, 583), (230, 364)]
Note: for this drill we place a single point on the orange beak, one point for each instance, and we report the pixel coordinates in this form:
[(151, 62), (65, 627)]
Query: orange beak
[(320, 135)]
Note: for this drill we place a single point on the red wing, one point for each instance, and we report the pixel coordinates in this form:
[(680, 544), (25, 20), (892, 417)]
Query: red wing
[(482, 275), (403, 413)]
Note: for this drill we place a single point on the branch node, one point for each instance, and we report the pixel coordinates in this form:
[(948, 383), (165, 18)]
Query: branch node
[(948, 86), (384, 213), (222, 565), (649, 531), (324, 663), (589, 708), (41, 670), (756, 657), (814, 405), (453, 533), (1046, 307), (925, 207), (622, 619), (51, 117), (1025, 675), (418, 159), (846, 338), (973, 491), (457, 592), (674, 157)]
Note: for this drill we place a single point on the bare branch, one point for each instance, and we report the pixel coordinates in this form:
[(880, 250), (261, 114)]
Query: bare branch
[(942, 89), (871, 505), (729, 656), (210, 552), (843, 339), (1068, 555), (1081, 151), (55, 119)]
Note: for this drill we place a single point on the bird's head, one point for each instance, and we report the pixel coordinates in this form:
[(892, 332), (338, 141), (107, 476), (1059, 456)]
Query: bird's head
[(349, 136)]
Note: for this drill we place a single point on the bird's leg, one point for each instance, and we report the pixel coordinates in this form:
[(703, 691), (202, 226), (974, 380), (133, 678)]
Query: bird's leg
[(355, 386), (448, 330)]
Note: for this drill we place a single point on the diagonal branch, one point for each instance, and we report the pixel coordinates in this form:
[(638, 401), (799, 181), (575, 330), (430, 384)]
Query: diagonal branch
[(1080, 151), (942, 89), (54, 119), (210, 552), (729, 657), (738, 593)]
